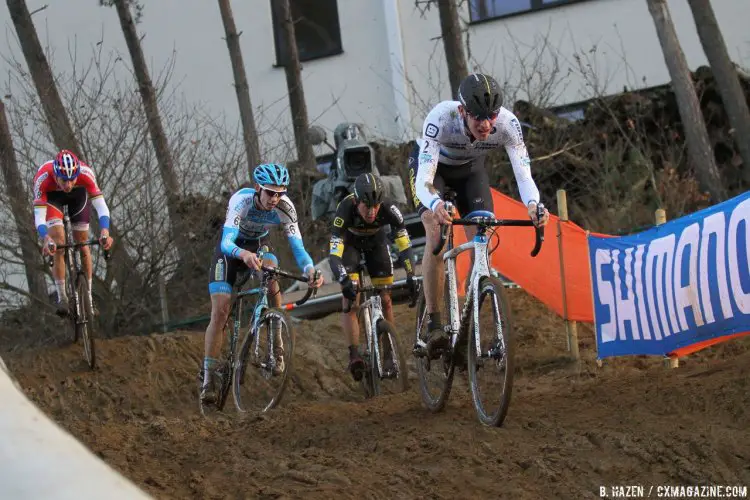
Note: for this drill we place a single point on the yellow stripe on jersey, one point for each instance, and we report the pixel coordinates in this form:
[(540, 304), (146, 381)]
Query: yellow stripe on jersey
[(383, 280), (402, 242)]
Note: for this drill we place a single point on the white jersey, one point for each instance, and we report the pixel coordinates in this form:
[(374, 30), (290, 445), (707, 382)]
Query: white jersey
[(446, 140)]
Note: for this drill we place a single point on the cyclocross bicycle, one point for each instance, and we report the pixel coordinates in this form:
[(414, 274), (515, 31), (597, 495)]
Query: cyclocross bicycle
[(380, 340), (487, 332), (254, 372), (81, 308)]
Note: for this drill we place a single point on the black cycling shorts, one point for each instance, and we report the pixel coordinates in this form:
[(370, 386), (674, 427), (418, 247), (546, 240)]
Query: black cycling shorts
[(469, 181), (79, 208), (377, 254), (224, 269)]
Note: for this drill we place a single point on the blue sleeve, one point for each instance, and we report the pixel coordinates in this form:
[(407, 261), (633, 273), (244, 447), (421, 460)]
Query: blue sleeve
[(228, 237), (304, 261)]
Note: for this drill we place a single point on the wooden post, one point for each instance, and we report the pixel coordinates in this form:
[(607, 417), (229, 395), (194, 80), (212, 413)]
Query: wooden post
[(571, 327), (660, 216), (163, 301)]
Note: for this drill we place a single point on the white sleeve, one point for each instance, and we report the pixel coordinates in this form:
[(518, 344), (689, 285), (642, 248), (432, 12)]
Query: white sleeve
[(429, 154), (519, 158), (102, 210)]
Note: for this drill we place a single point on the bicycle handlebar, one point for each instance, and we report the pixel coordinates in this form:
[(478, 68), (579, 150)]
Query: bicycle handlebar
[(280, 272), (491, 221), (91, 242)]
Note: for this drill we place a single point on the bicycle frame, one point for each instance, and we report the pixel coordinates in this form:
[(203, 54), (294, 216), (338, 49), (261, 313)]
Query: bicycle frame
[(479, 270), (372, 311), (259, 308), (482, 220)]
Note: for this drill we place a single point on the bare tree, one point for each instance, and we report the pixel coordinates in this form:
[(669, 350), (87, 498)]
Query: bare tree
[(700, 152), (454, 50), (725, 75), (19, 207), (290, 58), (57, 117), (250, 134), (156, 130)]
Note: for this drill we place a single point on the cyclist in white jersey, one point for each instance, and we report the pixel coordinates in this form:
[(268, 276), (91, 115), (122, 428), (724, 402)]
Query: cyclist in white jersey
[(456, 137)]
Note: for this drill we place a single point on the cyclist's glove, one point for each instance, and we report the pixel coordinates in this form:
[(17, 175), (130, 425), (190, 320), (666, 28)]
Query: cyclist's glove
[(347, 288)]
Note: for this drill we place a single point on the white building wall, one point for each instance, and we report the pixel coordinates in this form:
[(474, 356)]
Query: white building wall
[(615, 40), (382, 79)]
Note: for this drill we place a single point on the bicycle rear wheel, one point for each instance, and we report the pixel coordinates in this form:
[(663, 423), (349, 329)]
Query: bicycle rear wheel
[(261, 374), (491, 373), (84, 321), (435, 376), (395, 380)]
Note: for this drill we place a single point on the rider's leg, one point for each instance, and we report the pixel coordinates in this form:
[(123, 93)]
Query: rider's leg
[(350, 327), (57, 233), (433, 279), (274, 298), (220, 305), (81, 235), (222, 275)]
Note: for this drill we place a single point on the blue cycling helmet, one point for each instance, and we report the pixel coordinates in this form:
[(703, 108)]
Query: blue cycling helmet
[(271, 174)]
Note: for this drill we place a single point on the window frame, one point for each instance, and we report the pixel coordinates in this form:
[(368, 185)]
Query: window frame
[(278, 42), (536, 6)]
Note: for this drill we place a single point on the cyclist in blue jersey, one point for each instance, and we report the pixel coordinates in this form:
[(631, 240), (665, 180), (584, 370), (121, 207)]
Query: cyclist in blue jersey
[(250, 214)]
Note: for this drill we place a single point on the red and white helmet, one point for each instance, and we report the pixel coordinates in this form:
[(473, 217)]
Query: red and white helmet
[(66, 165)]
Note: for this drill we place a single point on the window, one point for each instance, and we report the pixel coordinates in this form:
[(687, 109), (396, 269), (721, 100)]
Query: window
[(316, 27), (482, 10)]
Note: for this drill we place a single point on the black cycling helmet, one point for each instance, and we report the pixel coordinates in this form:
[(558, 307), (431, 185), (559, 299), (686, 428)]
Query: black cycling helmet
[(368, 189), (480, 95)]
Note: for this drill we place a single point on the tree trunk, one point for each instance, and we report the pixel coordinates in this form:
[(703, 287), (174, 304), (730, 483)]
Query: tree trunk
[(305, 154), (21, 214), (41, 74), (452, 44), (156, 130), (250, 134), (700, 153), (725, 75)]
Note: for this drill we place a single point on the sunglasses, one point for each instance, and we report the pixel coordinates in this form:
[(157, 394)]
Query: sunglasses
[(491, 117), (273, 194)]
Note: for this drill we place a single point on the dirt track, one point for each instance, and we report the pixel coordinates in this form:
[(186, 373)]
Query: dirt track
[(569, 430)]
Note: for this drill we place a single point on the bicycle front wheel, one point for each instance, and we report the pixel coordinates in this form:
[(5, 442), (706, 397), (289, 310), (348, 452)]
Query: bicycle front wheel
[(84, 321), (264, 363), (392, 373), (491, 371)]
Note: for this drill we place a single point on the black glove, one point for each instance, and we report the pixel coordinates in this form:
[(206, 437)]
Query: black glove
[(411, 284), (347, 288)]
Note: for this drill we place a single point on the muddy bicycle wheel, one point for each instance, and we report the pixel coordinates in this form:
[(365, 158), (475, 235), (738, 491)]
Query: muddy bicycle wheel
[(435, 375), (394, 377), (491, 372), (264, 363), (84, 320)]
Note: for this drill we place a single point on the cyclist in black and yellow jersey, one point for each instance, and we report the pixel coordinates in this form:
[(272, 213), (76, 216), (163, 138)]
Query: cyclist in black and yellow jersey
[(357, 228)]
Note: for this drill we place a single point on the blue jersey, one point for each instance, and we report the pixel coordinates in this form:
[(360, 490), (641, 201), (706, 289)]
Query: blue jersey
[(245, 221)]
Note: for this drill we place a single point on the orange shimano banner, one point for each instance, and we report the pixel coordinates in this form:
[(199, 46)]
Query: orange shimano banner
[(540, 275)]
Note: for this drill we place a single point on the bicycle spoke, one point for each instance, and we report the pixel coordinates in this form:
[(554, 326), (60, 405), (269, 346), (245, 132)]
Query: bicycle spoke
[(491, 372), (264, 363)]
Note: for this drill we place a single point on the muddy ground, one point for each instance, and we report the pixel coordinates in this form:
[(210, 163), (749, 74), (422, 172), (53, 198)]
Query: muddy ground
[(571, 428)]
